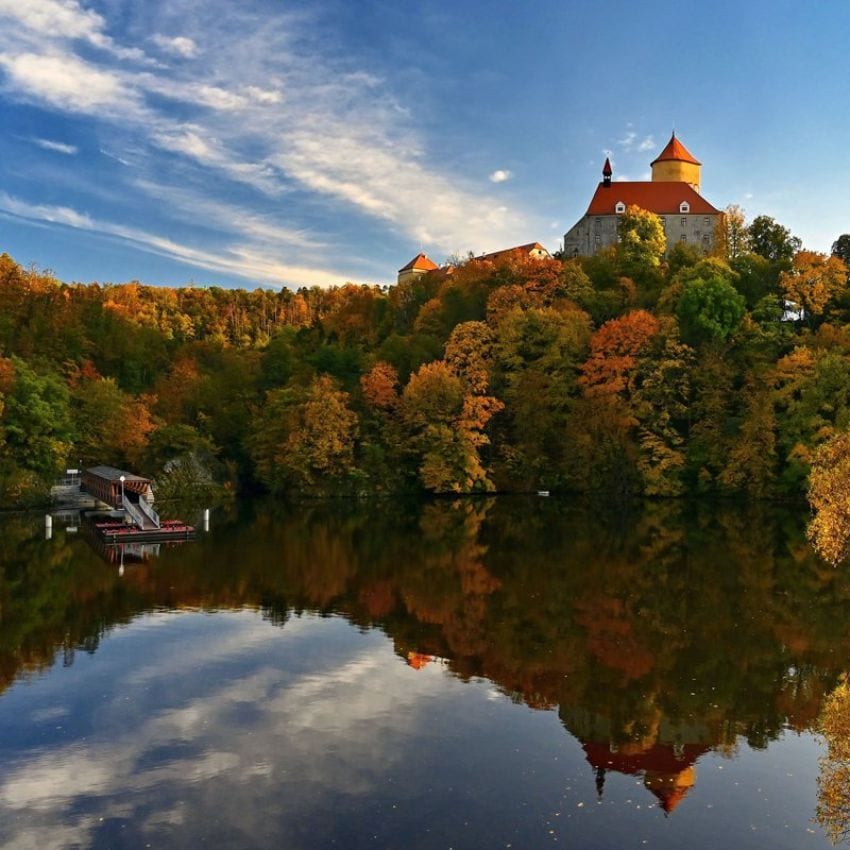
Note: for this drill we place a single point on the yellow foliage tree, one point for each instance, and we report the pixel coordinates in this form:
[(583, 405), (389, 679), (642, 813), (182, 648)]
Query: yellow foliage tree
[(813, 280), (829, 496), (448, 429)]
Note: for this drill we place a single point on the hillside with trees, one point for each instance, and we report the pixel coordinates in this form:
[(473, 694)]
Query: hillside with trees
[(632, 372)]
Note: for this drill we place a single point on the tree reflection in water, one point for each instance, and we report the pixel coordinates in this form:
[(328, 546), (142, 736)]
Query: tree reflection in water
[(658, 636), (833, 812)]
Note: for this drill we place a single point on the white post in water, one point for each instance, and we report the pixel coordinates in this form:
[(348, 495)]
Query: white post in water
[(48, 527), (206, 519), (122, 479)]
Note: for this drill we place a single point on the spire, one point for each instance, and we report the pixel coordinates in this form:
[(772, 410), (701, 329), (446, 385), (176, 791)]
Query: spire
[(607, 171)]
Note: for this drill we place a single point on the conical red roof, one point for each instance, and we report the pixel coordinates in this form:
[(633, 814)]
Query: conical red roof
[(607, 171), (421, 263), (675, 150)]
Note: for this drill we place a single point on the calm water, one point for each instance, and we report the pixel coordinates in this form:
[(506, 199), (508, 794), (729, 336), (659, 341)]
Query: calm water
[(504, 673)]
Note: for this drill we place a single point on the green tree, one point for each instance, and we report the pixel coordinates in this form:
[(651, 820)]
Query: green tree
[(755, 278), (304, 440), (36, 429), (841, 249), (661, 403), (710, 309), (537, 353), (769, 239), (752, 460)]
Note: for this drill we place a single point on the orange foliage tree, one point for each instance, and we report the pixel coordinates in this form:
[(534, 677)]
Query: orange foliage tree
[(813, 280)]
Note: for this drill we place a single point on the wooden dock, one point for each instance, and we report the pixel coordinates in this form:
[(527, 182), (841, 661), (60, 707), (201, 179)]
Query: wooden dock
[(115, 531)]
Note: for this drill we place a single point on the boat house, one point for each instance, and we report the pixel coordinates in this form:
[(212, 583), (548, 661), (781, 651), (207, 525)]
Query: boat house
[(104, 483)]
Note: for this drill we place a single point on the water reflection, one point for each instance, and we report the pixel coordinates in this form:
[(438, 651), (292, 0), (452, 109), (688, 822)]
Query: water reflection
[(662, 639)]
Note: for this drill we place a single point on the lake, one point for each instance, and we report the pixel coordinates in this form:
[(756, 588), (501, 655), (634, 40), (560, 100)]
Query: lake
[(507, 672)]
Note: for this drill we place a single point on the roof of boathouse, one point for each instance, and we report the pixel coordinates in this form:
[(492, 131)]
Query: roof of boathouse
[(112, 473)]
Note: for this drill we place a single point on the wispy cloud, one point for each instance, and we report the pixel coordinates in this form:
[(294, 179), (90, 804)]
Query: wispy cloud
[(67, 82), (64, 20), (632, 142), (244, 259), (264, 105), (57, 147), (177, 45)]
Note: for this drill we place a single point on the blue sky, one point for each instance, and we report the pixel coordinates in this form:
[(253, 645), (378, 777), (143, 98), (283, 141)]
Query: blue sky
[(264, 142)]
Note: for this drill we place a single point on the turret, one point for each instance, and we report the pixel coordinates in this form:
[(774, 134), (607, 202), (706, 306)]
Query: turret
[(607, 171), (676, 164)]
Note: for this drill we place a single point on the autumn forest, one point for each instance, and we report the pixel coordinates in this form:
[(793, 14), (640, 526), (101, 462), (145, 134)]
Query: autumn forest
[(632, 372)]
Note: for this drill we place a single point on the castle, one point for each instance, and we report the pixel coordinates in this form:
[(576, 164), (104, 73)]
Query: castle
[(673, 194)]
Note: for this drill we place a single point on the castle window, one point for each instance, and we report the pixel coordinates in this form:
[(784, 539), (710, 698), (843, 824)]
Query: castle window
[(683, 237), (664, 221), (684, 222), (598, 239), (620, 207), (706, 221), (684, 207)]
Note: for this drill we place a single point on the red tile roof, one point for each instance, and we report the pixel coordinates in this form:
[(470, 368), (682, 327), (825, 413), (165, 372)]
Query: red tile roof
[(421, 263), (661, 198), (525, 249), (677, 151)]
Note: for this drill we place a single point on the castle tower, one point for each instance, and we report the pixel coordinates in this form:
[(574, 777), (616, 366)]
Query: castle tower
[(676, 164)]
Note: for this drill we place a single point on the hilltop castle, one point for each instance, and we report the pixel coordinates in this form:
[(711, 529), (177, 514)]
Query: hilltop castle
[(673, 194)]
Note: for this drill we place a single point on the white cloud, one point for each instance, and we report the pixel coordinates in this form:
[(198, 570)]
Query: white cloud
[(245, 260), (64, 20), (630, 142), (188, 142), (58, 147), (45, 212), (264, 104), (309, 733), (66, 81), (179, 45), (261, 95), (500, 175), (50, 17)]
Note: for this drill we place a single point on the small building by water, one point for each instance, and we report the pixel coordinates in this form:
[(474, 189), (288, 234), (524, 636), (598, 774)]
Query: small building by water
[(104, 482)]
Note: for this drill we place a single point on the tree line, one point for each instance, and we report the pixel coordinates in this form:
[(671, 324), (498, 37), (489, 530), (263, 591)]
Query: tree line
[(636, 371)]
